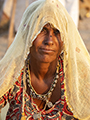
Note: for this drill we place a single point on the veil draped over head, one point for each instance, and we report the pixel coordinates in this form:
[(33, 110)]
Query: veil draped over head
[(76, 57)]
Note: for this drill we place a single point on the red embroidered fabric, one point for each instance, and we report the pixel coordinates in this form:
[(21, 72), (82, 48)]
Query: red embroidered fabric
[(14, 96)]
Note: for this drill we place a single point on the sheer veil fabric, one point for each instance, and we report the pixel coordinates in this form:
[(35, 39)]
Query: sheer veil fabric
[(76, 57)]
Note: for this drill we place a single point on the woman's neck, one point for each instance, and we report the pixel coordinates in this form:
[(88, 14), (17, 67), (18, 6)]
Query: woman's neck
[(43, 71)]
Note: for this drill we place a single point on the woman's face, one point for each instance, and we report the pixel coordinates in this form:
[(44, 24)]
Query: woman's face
[(47, 46)]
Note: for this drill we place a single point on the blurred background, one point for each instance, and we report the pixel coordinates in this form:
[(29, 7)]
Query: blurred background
[(8, 28), (11, 12)]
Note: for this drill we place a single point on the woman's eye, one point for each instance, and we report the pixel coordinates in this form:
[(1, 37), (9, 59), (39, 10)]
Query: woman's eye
[(44, 30), (56, 32)]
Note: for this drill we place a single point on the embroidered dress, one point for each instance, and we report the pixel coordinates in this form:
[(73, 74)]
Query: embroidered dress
[(59, 111)]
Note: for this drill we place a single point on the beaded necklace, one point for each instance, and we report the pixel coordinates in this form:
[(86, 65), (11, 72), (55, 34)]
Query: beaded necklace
[(44, 97), (33, 93)]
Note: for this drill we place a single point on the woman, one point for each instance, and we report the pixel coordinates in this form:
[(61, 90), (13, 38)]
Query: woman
[(45, 73)]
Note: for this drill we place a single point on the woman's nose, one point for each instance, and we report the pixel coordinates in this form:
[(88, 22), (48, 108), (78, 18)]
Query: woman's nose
[(49, 40)]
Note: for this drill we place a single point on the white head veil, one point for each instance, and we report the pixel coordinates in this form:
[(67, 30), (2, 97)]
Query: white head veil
[(76, 57)]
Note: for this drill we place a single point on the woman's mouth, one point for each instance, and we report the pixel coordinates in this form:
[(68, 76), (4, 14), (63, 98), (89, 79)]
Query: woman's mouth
[(46, 50)]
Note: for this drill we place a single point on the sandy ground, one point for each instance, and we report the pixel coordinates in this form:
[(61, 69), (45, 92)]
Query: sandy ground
[(84, 30)]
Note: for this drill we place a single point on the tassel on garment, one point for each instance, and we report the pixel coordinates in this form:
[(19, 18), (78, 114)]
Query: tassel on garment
[(23, 116)]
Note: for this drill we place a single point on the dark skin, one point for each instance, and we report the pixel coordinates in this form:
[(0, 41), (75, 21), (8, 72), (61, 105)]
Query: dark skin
[(43, 61)]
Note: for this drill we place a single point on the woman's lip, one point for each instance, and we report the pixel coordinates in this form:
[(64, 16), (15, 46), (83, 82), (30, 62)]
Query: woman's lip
[(46, 50)]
